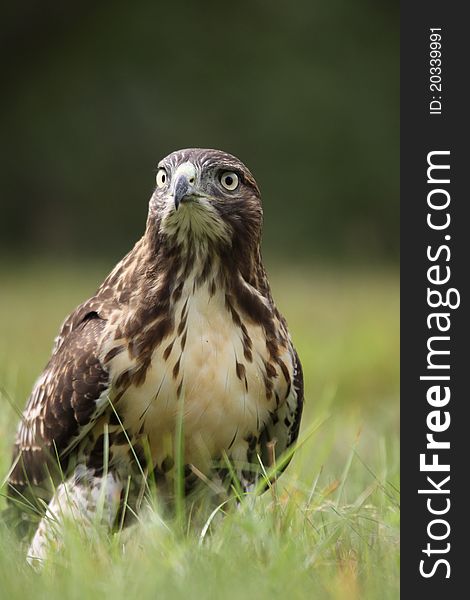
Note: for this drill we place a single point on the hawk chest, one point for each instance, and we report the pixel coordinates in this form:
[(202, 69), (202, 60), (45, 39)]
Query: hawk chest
[(211, 370)]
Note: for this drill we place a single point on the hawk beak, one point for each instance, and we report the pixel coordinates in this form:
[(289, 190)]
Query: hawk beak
[(182, 188)]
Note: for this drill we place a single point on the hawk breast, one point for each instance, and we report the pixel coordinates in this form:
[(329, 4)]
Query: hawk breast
[(214, 368)]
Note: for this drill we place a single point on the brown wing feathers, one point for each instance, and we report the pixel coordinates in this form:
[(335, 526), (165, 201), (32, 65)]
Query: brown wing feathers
[(63, 401)]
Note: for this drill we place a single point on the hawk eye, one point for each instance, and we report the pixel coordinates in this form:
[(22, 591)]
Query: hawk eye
[(229, 180), (162, 178)]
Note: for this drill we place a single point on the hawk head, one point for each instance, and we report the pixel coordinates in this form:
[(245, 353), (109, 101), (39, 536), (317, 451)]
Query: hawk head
[(206, 196)]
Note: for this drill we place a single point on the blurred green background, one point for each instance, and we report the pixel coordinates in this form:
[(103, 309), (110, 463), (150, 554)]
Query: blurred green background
[(306, 94), (95, 93)]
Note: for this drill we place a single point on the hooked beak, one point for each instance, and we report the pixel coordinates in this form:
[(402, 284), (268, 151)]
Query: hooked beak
[(182, 191), (184, 183)]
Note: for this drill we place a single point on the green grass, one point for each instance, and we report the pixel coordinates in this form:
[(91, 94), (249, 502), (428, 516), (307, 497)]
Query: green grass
[(330, 526)]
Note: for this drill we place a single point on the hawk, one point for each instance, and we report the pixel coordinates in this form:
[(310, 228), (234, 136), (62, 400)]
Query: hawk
[(181, 347)]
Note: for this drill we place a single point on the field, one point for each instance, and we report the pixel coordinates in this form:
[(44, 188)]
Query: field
[(329, 528)]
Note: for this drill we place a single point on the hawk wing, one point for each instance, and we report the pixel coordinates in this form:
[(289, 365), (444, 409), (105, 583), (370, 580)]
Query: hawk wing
[(66, 399), (282, 429)]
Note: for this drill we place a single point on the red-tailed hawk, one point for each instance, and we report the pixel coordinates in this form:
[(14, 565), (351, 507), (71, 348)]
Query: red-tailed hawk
[(182, 336)]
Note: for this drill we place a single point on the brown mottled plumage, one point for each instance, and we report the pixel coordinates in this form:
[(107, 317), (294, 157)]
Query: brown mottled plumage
[(184, 324)]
